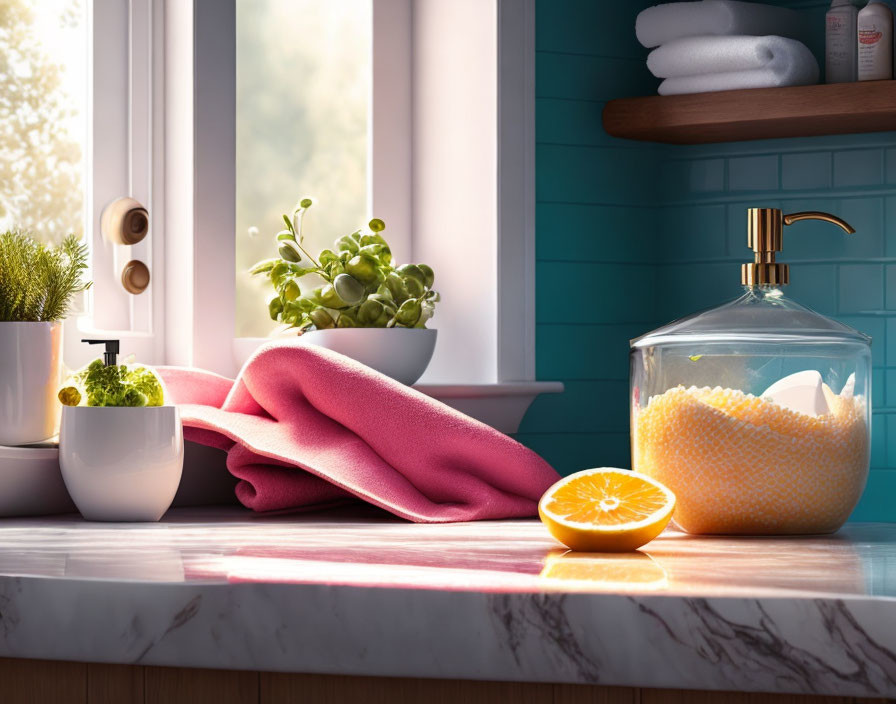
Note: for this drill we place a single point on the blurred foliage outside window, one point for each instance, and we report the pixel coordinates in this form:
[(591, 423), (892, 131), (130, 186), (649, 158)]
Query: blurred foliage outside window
[(43, 101), (303, 94)]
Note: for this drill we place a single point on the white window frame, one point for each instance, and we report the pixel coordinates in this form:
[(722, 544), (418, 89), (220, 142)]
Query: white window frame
[(476, 197), (123, 149)]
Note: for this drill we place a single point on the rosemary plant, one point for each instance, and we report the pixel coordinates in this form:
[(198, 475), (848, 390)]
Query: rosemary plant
[(38, 281)]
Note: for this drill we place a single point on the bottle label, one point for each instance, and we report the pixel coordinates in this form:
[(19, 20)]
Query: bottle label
[(840, 48), (875, 49)]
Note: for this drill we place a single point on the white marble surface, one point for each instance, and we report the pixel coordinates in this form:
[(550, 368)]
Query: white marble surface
[(356, 593)]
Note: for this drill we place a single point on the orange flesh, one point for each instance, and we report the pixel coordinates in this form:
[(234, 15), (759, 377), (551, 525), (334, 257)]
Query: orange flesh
[(606, 499)]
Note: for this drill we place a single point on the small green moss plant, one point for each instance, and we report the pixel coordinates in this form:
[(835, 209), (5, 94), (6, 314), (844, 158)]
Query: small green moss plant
[(362, 288), (38, 281), (96, 384)]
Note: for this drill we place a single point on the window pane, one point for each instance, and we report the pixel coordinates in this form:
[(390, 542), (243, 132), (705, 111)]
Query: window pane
[(303, 91), (43, 109)]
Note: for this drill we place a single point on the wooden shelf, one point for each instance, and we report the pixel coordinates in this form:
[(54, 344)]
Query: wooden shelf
[(762, 113)]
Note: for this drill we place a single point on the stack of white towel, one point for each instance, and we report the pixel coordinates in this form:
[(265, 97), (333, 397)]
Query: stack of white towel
[(714, 45)]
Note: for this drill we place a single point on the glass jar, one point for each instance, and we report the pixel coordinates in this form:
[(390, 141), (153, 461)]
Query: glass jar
[(756, 414)]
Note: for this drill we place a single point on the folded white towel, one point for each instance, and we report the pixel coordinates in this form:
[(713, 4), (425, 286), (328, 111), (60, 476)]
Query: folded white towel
[(770, 77), (696, 56), (676, 20), (736, 80)]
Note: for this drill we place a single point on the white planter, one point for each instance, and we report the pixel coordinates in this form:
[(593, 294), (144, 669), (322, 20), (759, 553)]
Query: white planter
[(121, 464), (30, 374), (401, 353)]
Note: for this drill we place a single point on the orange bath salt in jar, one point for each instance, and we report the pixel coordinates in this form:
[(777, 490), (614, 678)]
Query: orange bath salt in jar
[(756, 414)]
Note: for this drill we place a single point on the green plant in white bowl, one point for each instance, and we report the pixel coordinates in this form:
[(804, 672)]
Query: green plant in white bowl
[(362, 287), (358, 302), (38, 283)]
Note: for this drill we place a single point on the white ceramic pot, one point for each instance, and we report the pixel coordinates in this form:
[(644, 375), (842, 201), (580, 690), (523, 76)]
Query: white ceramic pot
[(121, 464), (402, 353), (30, 374)]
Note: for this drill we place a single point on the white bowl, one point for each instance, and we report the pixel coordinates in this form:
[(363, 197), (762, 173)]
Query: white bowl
[(402, 353), (121, 464)]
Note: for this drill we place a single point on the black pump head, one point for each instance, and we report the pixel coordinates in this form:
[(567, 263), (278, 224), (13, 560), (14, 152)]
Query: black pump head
[(110, 356)]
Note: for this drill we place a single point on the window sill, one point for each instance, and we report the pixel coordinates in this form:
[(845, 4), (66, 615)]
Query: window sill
[(500, 405)]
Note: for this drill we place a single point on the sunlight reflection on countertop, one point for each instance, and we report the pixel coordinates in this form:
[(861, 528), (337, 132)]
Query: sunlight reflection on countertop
[(363, 547)]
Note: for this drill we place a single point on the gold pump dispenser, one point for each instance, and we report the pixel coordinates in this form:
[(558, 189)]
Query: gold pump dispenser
[(765, 235)]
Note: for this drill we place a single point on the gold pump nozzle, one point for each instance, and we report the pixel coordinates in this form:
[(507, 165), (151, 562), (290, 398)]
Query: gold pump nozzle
[(765, 235)]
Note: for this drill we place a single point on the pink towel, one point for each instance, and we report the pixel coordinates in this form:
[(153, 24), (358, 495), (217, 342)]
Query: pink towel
[(306, 427)]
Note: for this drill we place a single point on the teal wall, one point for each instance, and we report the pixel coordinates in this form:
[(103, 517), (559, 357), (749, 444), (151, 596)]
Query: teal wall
[(631, 235), (596, 212)]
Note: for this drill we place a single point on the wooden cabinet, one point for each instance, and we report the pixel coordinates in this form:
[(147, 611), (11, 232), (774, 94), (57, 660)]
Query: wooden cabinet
[(49, 682)]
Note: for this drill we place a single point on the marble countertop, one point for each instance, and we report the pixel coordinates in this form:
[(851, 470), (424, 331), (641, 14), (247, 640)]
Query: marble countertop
[(355, 592)]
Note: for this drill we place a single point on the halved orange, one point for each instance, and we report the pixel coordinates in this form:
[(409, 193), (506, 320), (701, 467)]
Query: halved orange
[(606, 510)]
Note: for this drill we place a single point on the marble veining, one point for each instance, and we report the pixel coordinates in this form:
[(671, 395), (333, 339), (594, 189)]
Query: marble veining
[(357, 592)]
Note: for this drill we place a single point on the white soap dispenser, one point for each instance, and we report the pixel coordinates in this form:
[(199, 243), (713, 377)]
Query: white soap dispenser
[(875, 39), (121, 449), (840, 65)]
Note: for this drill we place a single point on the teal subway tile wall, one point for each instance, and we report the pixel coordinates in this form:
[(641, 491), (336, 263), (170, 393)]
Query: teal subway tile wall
[(596, 219), (630, 235)]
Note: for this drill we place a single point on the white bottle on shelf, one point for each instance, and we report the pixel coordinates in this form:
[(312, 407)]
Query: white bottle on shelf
[(875, 35), (840, 42)]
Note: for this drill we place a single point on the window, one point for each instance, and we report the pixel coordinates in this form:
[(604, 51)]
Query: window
[(446, 161), (303, 85), (43, 115), (217, 114), (76, 133)]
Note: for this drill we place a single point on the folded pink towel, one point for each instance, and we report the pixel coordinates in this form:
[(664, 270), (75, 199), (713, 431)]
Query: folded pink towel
[(306, 427)]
